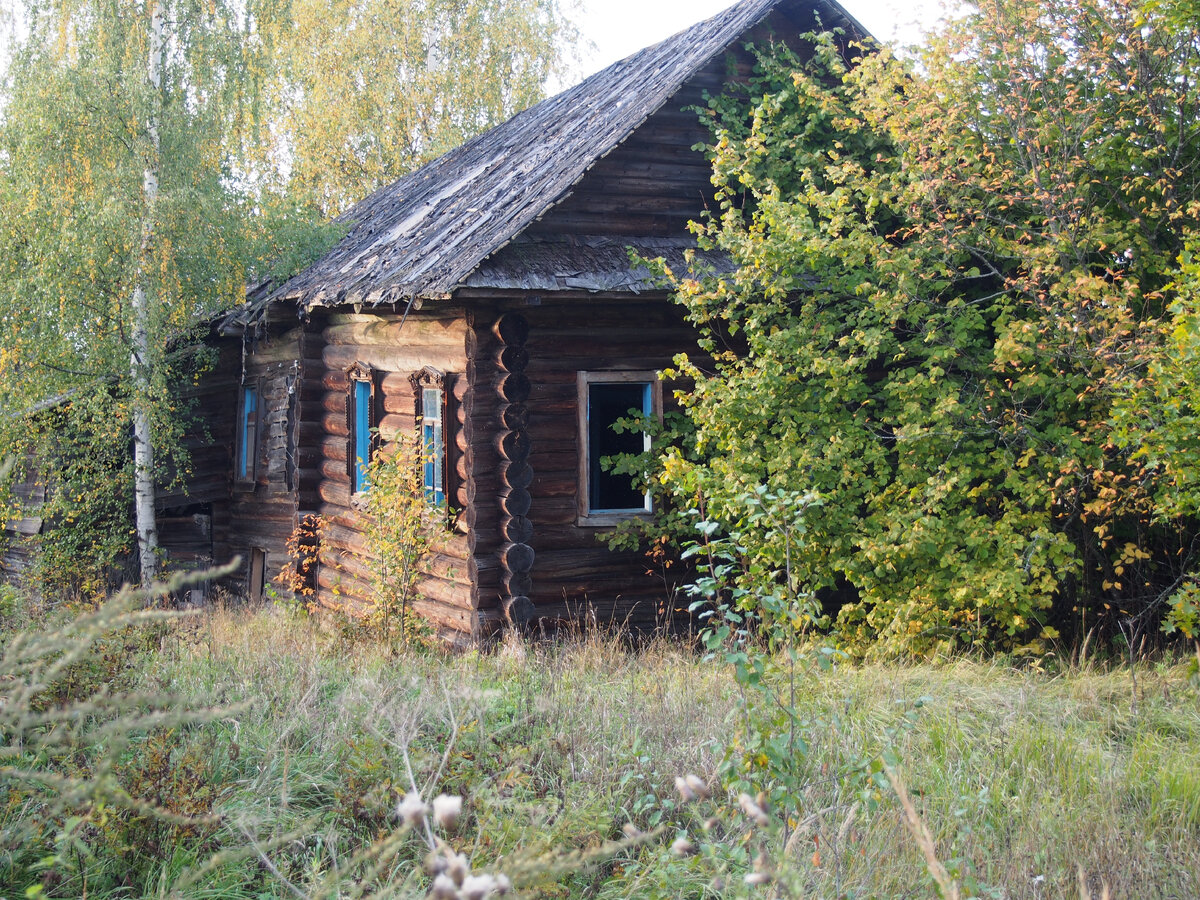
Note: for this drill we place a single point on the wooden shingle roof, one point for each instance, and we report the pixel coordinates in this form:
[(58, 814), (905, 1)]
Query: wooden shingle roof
[(424, 235)]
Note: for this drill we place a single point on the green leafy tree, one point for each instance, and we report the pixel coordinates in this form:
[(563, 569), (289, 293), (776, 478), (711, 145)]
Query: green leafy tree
[(121, 228), (945, 276), (364, 91), (156, 157)]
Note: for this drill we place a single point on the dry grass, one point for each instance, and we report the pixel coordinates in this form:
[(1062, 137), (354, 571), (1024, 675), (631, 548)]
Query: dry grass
[(1018, 780)]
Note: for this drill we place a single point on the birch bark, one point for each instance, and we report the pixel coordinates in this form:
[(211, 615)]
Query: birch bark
[(143, 441)]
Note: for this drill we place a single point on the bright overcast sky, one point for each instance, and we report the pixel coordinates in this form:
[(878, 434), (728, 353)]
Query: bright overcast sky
[(621, 27)]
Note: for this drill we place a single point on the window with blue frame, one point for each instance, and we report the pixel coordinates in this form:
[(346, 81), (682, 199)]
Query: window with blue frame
[(429, 387), (362, 421), (433, 445), (608, 403), (246, 448)]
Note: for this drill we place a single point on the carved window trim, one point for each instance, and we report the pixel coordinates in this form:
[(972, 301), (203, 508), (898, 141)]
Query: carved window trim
[(248, 434), (434, 427), (362, 422)]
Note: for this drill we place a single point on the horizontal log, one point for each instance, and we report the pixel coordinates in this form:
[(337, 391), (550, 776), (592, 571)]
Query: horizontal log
[(513, 445), (334, 470), (517, 584), (515, 502), (278, 352), (335, 380), (394, 424), (459, 388), (518, 530), (515, 416), (388, 332), (512, 359), (336, 494), (335, 424), (336, 402), (311, 432), (439, 603), (514, 387), (400, 358)]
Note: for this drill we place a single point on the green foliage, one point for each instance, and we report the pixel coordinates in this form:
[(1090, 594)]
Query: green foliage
[(72, 732), (401, 527), (937, 315), (364, 91), (292, 783)]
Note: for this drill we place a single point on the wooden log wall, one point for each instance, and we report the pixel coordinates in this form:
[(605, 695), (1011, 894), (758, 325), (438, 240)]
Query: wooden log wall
[(188, 509), (393, 348), (577, 575), (516, 474), (481, 462), (263, 517), (210, 520), (19, 538)]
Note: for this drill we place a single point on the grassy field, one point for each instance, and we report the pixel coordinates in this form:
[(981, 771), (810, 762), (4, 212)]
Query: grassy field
[(285, 779)]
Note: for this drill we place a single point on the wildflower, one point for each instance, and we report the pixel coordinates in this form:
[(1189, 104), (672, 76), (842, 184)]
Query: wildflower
[(503, 885), (435, 863), (443, 889), (756, 878), (412, 809), (683, 847), (699, 788), (457, 868), (446, 810), (685, 789), (631, 831), (752, 809), (477, 887)]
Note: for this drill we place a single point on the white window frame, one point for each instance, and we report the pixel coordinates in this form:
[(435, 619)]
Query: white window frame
[(608, 517)]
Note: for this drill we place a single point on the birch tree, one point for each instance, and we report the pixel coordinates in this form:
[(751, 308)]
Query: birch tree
[(364, 91), (155, 155), (122, 227)]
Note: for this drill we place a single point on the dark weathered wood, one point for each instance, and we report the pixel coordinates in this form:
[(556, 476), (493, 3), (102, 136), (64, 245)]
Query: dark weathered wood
[(518, 529)]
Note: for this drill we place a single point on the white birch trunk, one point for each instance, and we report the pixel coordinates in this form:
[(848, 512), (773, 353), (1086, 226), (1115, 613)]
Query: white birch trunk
[(143, 444)]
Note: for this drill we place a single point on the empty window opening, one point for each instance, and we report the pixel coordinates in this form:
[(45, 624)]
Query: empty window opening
[(607, 399)]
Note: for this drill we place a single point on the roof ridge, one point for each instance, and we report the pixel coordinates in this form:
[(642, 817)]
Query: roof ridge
[(423, 234)]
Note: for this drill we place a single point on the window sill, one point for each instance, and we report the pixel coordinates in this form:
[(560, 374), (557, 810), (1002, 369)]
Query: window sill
[(610, 520)]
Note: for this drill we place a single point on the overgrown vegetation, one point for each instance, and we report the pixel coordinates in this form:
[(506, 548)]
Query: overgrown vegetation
[(962, 315), (282, 763)]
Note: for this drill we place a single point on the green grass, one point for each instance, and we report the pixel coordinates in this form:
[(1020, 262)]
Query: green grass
[(289, 781)]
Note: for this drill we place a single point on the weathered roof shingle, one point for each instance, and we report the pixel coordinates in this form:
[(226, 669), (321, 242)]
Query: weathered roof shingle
[(424, 235)]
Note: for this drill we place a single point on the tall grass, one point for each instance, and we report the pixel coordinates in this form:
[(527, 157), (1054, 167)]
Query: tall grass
[(566, 755)]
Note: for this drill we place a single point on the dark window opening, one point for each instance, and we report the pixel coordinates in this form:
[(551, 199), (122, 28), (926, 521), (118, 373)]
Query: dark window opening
[(610, 491)]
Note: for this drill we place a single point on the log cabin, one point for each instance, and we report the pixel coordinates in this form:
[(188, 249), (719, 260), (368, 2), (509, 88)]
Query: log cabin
[(488, 303)]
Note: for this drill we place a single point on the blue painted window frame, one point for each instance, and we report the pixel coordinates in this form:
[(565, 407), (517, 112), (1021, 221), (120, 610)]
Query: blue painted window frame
[(247, 441), (361, 421), (433, 443)]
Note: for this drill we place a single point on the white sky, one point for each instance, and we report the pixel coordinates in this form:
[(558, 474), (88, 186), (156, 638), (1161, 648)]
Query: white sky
[(621, 27)]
